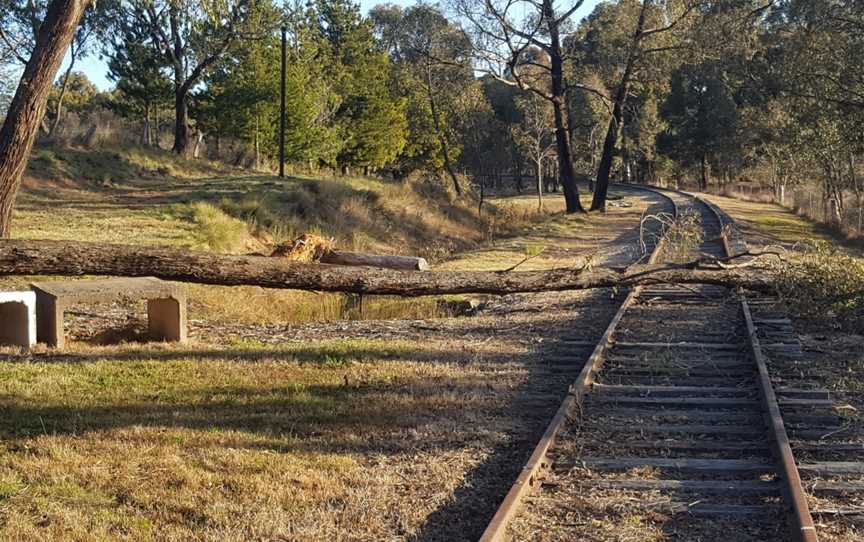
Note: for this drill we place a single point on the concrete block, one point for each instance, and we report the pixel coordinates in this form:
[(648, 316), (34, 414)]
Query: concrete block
[(18, 318), (166, 304), (167, 318)]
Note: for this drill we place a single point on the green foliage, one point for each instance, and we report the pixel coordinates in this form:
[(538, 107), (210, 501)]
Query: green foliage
[(701, 116), (79, 95), (370, 120), (139, 71), (430, 58), (826, 285)]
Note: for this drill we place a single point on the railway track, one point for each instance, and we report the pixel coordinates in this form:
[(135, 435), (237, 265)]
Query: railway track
[(675, 430)]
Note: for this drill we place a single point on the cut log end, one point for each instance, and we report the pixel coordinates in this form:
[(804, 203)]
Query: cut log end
[(406, 263)]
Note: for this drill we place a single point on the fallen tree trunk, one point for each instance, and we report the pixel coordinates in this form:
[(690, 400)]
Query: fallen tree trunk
[(24, 257), (407, 263)]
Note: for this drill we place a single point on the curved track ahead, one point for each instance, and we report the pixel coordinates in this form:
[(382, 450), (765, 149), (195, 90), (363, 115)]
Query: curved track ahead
[(673, 424)]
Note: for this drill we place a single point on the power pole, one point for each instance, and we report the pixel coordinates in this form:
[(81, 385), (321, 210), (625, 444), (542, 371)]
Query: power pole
[(282, 110)]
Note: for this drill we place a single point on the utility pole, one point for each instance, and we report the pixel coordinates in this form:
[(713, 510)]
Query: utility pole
[(282, 110)]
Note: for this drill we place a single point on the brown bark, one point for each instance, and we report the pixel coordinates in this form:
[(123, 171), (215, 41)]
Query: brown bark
[(601, 189), (181, 121), (562, 137), (27, 109), (24, 257)]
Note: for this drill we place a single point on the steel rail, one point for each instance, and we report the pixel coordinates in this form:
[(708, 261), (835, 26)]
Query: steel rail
[(496, 530), (803, 528)]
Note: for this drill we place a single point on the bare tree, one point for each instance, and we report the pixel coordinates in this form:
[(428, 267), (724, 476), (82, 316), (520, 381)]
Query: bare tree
[(536, 134), (28, 106), (507, 37)]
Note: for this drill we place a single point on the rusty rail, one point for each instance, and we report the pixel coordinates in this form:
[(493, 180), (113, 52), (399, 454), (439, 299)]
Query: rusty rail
[(803, 528), (497, 528)]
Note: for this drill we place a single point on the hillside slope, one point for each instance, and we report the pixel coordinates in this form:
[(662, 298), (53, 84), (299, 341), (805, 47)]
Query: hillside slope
[(155, 198)]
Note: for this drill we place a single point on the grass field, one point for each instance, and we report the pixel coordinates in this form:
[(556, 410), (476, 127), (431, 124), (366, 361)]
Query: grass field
[(411, 433), (249, 443)]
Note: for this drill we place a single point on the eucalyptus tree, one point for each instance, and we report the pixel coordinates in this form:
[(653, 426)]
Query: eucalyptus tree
[(432, 59), (520, 42), (653, 28), (820, 48), (192, 36), (19, 27)]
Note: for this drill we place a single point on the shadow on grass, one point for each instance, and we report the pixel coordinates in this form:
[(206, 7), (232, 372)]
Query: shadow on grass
[(475, 501), (354, 417)]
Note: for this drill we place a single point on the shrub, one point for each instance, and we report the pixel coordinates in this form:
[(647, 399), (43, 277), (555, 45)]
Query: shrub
[(215, 230), (825, 285)]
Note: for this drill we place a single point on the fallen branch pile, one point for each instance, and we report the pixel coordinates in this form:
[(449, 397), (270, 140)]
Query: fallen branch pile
[(25, 257)]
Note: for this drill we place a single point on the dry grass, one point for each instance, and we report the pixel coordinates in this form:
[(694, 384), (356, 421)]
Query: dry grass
[(251, 214), (823, 286), (306, 248), (683, 237), (336, 440), (770, 224), (249, 443)]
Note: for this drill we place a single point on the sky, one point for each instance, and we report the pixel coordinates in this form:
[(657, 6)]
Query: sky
[(96, 69)]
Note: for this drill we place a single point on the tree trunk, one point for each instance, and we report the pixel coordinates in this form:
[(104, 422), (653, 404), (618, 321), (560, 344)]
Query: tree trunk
[(58, 108), (27, 109), (562, 139), (383, 261), (540, 184), (199, 140), (64, 258), (442, 137), (601, 189), (157, 126), (181, 121), (257, 146), (705, 173), (146, 132)]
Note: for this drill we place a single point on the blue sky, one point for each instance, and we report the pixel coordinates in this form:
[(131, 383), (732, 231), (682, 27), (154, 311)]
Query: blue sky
[(96, 69)]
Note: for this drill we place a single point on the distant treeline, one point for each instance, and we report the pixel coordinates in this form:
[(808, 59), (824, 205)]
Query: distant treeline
[(717, 92)]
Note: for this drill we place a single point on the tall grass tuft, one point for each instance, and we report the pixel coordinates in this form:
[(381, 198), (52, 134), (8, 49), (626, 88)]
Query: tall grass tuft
[(215, 230)]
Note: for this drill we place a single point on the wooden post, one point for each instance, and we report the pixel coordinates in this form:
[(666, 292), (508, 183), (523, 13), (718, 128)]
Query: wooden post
[(282, 109)]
